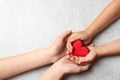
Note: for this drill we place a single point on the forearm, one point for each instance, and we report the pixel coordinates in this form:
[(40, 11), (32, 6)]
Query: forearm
[(108, 15), (109, 49), (52, 73), (14, 65)]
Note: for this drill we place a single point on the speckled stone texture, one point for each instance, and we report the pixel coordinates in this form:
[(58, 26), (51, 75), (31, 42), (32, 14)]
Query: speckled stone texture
[(27, 25)]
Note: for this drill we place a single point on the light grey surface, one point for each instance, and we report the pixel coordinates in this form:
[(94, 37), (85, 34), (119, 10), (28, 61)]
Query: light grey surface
[(26, 25)]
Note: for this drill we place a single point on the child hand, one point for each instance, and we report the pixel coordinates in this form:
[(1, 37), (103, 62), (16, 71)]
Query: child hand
[(69, 67), (82, 35), (87, 59), (58, 47)]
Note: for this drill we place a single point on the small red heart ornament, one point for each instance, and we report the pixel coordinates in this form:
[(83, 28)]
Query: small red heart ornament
[(79, 49)]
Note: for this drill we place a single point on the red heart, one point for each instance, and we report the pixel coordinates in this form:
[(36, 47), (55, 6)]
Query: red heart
[(79, 49)]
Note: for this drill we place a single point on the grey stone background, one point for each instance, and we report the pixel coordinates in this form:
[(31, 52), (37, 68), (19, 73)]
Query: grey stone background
[(27, 25)]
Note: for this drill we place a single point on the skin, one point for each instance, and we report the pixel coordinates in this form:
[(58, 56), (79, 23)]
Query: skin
[(12, 66), (106, 17), (63, 67), (79, 64), (18, 64), (109, 49)]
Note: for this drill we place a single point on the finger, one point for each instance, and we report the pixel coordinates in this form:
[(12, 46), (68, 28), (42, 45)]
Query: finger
[(79, 61), (84, 68), (70, 56), (86, 60), (66, 57), (73, 38), (67, 52), (86, 41), (69, 44), (91, 46), (68, 48), (76, 59), (65, 34), (72, 59), (90, 56)]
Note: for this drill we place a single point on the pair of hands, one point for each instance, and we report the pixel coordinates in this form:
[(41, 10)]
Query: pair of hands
[(62, 47)]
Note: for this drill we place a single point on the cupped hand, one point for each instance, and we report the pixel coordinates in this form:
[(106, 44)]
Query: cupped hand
[(58, 48), (82, 35), (69, 67), (87, 59)]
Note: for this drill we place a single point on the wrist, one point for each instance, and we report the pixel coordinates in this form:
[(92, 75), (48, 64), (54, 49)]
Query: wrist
[(90, 32), (54, 72), (47, 53), (51, 75), (98, 51), (58, 70), (52, 54)]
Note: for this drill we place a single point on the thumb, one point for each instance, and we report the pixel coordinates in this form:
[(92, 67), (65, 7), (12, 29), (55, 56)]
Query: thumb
[(65, 34), (90, 56), (85, 42), (86, 60), (91, 45), (73, 38)]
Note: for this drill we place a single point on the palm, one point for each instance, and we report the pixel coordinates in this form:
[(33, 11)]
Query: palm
[(70, 67), (59, 48), (59, 45)]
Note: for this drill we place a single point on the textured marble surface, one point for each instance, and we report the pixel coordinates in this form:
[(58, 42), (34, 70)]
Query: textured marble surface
[(27, 25)]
